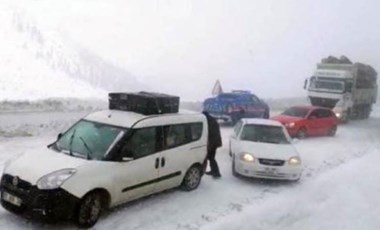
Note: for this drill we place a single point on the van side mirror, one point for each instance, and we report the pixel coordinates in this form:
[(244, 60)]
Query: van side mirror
[(59, 136), (305, 84), (126, 159)]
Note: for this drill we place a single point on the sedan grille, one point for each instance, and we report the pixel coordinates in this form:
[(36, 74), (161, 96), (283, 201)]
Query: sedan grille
[(271, 162)]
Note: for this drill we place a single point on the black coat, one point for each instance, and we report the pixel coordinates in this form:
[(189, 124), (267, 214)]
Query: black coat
[(214, 137)]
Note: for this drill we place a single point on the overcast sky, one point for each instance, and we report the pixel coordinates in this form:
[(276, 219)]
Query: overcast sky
[(267, 46)]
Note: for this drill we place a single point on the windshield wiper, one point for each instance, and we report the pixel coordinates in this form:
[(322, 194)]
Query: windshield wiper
[(89, 152), (71, 142)]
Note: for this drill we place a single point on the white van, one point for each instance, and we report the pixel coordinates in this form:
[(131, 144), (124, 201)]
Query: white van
[(105, 159)]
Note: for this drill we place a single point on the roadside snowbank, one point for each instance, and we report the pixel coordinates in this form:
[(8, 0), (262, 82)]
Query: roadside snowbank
[(37, 123), (334, 200)]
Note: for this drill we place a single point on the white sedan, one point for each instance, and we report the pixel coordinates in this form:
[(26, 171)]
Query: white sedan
[(263, 149)]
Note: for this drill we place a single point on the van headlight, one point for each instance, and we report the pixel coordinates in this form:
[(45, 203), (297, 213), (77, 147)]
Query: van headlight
[(247, 157), (294, 161), (55, 179)]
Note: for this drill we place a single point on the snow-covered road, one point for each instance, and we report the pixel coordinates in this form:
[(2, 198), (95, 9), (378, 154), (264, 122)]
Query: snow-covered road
[(339, 190)]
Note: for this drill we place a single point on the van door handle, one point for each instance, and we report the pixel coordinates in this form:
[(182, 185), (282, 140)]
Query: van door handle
[(157, 163), (163, 162)]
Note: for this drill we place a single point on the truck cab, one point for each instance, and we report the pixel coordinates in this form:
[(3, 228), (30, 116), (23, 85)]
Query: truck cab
[(232, 106)]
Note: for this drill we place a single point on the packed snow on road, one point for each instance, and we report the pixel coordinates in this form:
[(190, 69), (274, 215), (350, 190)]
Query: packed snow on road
[(338, 190)]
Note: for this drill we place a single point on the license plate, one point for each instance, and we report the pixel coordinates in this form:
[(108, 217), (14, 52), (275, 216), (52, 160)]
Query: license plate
[(11, 199), (271, 171)]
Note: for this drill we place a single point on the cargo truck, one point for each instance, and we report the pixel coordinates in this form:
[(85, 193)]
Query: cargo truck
[(350, 89)]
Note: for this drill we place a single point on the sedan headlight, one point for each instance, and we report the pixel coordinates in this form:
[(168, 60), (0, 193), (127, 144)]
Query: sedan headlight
[(294, 161), (55, 179), (290, 125), (247, 157)]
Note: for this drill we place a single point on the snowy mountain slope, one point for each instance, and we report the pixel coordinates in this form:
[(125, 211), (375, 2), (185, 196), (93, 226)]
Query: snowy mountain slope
[(37, 63)]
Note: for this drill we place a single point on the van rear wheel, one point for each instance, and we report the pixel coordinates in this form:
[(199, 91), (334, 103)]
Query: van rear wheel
[(192, 178), (89, 210)]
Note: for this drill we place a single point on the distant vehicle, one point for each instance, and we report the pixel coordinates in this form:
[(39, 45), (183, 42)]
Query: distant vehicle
[(263, 149), (349, 89), (304, 121), (231, 107), (105, 159)]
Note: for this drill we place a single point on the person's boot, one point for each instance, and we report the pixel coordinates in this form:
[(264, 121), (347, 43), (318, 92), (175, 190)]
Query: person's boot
[(216, 175), (209, 173)]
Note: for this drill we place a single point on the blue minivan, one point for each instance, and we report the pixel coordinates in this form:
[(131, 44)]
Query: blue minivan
[(231, 107)]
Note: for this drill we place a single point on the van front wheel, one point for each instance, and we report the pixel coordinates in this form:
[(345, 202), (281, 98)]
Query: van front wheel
[(192, 178), (89, 210)]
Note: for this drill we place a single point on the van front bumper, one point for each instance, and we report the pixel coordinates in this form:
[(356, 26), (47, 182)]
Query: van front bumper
[(49, 205)]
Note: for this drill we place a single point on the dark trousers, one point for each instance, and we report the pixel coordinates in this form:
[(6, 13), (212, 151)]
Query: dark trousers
[(213, 164)]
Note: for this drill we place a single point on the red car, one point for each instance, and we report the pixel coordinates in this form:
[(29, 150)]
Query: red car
[(303, 121)]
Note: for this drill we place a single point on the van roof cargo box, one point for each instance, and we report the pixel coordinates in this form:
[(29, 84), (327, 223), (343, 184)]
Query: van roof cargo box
[(146, 103)]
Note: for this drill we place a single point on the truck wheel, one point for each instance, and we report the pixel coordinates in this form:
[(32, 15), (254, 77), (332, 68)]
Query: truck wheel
[(89, 210), (345, 118), (367, 112), (348, 116), (302, 134), (354, 114)]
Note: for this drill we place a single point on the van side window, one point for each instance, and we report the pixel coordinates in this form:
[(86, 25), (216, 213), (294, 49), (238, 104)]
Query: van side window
[(142, 143), (196, 131), (181, 134), (175, 135)]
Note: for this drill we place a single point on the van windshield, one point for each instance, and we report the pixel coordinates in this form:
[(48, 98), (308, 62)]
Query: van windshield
[(89, 140)]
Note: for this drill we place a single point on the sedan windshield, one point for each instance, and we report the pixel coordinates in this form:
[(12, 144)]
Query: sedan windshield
[(89, 140), (296, 112), (264, 133)]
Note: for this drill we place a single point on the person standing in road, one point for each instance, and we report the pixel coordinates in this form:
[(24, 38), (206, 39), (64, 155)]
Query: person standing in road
[(214, 142)]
